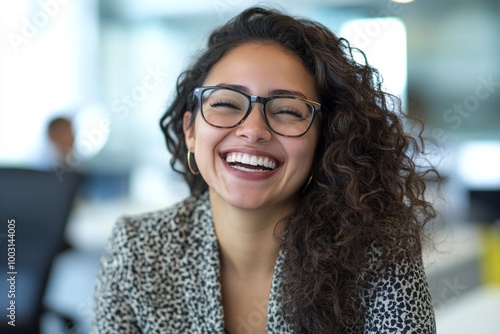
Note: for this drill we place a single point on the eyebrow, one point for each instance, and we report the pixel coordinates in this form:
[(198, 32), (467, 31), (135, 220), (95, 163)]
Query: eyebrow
[(273, 92)]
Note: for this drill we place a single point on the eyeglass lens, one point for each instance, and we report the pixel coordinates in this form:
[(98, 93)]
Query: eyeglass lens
[(226, 108)]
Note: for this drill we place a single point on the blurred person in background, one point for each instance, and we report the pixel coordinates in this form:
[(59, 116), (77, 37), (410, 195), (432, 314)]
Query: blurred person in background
[(307, 208), (58, 145), (62, 137)]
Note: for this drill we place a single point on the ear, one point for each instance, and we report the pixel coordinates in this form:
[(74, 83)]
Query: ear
[(188, 127)]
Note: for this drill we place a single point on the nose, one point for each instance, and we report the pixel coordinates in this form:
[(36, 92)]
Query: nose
[(254, 127)]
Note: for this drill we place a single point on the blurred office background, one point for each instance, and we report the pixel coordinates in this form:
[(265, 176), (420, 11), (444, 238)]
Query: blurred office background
[(110, 67)]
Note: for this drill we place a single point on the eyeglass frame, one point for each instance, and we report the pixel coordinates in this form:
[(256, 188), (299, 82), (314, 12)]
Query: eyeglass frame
[(197, 100)]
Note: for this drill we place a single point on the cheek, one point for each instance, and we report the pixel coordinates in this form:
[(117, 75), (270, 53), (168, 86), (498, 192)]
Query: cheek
[(207, 136), (207, 141), (313, 140), (308, 155), (303, 153)]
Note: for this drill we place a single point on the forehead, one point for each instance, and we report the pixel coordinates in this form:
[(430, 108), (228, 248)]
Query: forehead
[(262, 67)]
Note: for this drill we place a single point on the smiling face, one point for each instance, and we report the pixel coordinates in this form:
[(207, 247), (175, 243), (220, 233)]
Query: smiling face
[(249, 166)]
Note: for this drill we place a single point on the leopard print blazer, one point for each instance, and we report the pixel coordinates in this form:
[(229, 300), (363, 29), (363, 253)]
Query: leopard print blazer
[(160, 274)]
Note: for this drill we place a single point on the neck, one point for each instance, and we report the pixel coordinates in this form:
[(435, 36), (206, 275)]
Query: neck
[(247, 238)]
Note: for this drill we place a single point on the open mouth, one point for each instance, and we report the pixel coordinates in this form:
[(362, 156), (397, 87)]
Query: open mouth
[(251, 163)]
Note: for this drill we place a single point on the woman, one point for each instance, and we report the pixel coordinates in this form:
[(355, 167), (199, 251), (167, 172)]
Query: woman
[(307, 208)]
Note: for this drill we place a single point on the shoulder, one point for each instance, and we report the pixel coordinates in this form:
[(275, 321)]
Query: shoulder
[(176, 218), (142, 273), (397, 296), (175, 215), (153, 231), (382, 267)]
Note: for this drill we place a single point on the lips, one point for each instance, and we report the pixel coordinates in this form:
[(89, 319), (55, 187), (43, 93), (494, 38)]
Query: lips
[(251, 163)]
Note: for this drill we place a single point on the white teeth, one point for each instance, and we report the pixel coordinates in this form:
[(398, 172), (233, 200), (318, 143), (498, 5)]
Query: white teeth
[(250, 170), (252, 160), (245, 159)]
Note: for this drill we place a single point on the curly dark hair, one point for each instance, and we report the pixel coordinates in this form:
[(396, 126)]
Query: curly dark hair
[(366, 189)]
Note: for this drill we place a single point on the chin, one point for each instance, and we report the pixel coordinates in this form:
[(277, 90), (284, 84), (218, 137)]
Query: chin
[(254, 200)]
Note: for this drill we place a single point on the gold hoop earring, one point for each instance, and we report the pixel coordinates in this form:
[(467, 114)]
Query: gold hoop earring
[(307, 184), (194, 172)]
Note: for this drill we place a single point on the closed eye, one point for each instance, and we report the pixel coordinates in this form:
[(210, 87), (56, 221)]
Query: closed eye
[(290, 112), (223, 103)]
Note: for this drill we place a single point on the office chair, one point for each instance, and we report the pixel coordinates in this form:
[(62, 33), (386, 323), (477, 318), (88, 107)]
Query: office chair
[(37, 205)]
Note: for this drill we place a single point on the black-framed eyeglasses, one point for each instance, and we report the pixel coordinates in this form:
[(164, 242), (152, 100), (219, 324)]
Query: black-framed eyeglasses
[(288, 115)]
